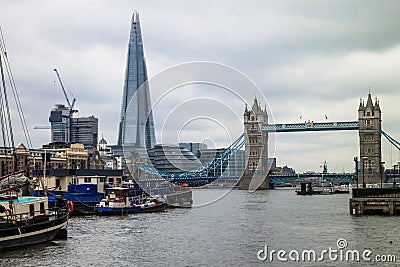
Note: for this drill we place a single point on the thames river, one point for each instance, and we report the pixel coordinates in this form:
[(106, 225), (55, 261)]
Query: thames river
[(240, 229)]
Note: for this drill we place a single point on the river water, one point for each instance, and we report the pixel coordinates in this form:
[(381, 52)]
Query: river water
[(227, 232)]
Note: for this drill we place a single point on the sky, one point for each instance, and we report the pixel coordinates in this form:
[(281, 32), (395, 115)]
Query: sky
[(308, 58)]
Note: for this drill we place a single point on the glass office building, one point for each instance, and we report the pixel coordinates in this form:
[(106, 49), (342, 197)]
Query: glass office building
[(66, 129), (84, 130), (60, 123), (136, 128)]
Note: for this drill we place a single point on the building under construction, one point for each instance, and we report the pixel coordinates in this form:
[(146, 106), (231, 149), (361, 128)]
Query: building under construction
[(67, 129)]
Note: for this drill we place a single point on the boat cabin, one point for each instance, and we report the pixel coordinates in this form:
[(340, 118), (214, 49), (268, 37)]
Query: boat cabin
[(23, 208), (116, 193)]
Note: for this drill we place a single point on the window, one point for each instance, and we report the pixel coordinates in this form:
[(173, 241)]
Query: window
[(42, 210), (32, 210), (88, 180), (101, 179), (58, 183), (111, 180)]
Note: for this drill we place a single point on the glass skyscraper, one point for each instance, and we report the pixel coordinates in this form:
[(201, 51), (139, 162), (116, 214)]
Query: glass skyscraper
[(136, 127), (60, 124)]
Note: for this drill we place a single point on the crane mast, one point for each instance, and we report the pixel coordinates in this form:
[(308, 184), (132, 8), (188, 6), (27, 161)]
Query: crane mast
[(71, 105), (71, 108)]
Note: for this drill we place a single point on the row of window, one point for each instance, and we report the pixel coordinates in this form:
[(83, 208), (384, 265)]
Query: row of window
[(102, 180), (253, 164), (254, 153), (253, 140), (369, 138), (32, 209), (89, 180)]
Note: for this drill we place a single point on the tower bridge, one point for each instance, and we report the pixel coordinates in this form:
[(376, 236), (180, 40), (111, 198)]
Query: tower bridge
[(255, 140), (257, 128)]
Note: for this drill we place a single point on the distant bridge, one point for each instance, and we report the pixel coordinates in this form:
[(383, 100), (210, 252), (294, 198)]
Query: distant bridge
[(342, 177), (274, 178), (201, 174)]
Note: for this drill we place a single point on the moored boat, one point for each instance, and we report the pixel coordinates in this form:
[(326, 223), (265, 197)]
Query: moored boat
[(118, 201), (306, 188), (342, 189), (83, 197), (28, 220)]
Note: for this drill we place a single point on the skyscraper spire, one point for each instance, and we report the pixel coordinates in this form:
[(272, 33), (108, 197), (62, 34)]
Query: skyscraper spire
[(136, 126)]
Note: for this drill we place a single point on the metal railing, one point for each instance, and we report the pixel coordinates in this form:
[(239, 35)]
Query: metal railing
[(37, 216)]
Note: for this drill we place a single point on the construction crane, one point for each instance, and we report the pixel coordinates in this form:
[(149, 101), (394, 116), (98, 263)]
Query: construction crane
[(42, 127), (71, 105)]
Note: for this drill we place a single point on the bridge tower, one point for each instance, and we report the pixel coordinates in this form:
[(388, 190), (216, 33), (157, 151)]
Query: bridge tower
[(256, 147), (370, 118)]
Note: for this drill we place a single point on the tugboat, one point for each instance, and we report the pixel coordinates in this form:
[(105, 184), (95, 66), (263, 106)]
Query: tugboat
[(307, 189), (118, 201), (28, 220)]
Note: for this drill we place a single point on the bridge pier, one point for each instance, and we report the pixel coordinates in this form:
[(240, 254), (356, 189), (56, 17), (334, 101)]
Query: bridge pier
[(245, 180), (375, 201)]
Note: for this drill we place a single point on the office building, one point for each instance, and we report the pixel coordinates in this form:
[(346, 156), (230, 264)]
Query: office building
[(59, 120), (65, 129), (193, 147), (84, 130), (136, 127)]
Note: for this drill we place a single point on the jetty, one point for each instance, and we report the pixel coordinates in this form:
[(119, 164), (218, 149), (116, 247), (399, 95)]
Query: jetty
[(375, 201)]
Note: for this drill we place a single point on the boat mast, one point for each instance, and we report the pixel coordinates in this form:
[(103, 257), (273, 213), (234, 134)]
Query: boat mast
[(8, 115), (1, 113)]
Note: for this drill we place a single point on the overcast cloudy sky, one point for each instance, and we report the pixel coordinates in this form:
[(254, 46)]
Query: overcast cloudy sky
[(309, 58)]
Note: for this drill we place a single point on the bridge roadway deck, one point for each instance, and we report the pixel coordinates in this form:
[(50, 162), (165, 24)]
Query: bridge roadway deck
[(311, 126), (274, 178)]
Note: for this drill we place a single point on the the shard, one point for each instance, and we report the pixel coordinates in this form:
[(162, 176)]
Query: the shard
[(136, 128)]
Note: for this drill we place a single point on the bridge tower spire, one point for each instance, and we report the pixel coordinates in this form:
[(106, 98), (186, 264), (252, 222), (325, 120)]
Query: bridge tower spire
[(256, 147), (370, 119)]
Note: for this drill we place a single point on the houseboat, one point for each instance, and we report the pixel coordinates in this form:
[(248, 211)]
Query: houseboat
[(119, 201), (28, 220)]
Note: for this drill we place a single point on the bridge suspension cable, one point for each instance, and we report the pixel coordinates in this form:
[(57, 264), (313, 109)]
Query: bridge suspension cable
[(201, 171), (393, 141)]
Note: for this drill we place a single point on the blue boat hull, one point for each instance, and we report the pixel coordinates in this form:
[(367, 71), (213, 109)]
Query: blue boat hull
[(129, 210)]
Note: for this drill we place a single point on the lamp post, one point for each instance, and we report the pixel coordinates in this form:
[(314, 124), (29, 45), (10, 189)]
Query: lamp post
[(363, 170), (356, 168), (382, 170), (394, 175)]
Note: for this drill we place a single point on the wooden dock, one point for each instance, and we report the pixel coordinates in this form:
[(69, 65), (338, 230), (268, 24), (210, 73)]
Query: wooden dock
[(375, 201)]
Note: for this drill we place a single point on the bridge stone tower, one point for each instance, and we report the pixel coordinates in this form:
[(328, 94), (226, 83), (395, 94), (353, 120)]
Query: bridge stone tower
[(256, 148), (370, 118)]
